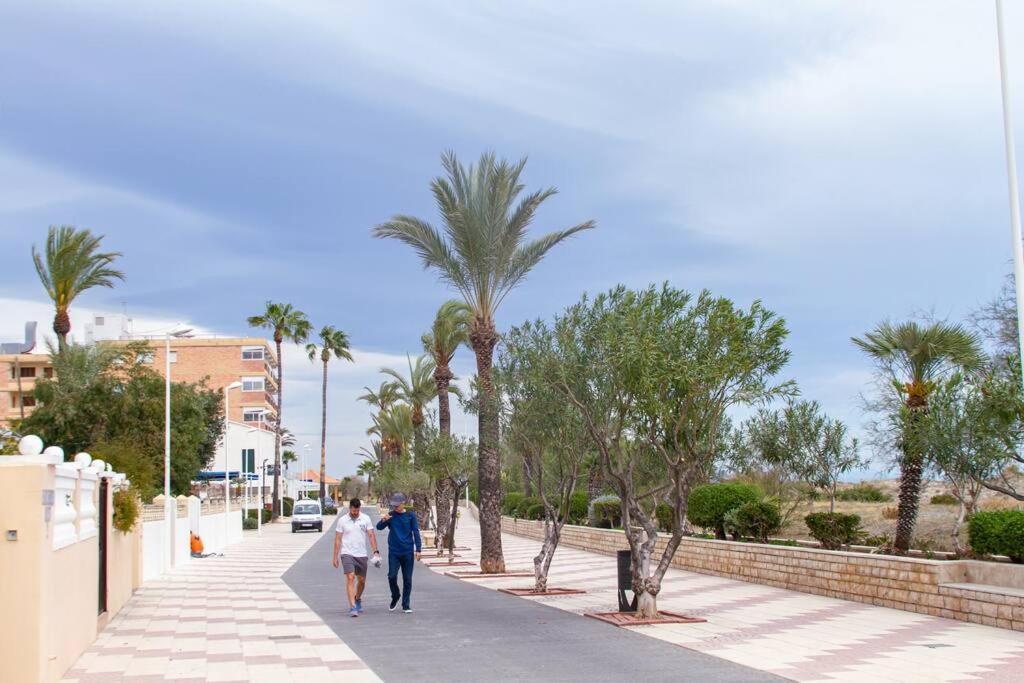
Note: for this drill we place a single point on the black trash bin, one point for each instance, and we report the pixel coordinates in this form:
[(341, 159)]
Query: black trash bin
[(625, 559)]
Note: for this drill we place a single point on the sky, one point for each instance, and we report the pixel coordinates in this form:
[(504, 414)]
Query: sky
[(843, 162)]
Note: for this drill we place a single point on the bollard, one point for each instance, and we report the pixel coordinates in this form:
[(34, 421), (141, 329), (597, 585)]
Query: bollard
[(625, 559)]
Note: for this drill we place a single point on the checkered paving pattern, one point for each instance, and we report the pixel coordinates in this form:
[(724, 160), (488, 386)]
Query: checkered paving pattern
[(227, 618), (799, 636)]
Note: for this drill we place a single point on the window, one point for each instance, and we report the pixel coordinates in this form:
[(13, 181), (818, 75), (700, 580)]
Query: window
[(174, 356), (28, 372), (252, 415), (248, 459), (252, 384), (146, 357), (48, 373), (252, 353), (27, 400), (99, 320)]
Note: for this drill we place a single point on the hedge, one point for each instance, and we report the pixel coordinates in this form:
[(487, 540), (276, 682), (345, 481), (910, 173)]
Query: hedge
[(863, 493), (605, 512), (266, 516), (287, 504), (757, 519), (535, 512), (834, 529), (998, 532), (708, 504), (579, 505), (511, 503), (945, 499)]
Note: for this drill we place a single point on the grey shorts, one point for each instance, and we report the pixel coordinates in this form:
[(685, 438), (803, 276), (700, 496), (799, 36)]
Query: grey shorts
[(356, 565)]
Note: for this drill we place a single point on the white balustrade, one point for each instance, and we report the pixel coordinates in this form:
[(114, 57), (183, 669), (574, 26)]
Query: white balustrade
[(64, 514), (87, 512)]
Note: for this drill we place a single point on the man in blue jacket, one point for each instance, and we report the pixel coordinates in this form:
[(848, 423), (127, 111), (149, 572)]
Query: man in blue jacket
[(404, 548)]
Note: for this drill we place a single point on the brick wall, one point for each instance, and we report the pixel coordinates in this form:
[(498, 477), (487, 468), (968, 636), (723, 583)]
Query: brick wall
[(933, 587)]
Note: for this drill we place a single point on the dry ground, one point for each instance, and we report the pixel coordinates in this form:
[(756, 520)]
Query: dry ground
[(934, 522)]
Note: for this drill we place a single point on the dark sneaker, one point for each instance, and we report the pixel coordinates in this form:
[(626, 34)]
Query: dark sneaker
[(359, 606), (407, 610), (394, 604)]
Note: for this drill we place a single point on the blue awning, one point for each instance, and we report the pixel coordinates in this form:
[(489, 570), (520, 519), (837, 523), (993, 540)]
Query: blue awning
[(232, 474)]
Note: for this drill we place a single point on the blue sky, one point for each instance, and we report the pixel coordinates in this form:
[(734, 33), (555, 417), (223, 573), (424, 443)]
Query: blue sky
[(841, 161)]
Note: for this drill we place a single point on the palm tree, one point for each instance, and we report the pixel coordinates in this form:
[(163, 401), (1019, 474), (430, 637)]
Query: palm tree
[(286, 323), (483, 253), (394, 427), (449, 331), (370, 464), (913, 356), (418, 389), (73, 264), (332, 343)]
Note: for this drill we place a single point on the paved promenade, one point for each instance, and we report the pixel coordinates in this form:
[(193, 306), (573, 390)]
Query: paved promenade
[(796, 635), (463, 632), (227, 618)]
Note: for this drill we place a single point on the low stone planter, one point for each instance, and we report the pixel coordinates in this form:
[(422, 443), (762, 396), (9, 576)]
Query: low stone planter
[(968, 590)]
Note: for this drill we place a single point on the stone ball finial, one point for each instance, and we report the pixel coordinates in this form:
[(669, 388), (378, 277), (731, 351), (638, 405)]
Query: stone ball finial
[(99, 465), (83, 459), (30, 445), (55, 451)]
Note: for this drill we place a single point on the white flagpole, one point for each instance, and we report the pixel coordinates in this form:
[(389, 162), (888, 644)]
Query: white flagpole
[(1011, 173)]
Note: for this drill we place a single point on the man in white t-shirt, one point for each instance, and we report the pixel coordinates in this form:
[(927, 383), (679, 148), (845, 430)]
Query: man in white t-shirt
[(350, 537)]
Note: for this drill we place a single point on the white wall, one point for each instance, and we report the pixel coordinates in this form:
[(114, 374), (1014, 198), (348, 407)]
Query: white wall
[(239, 438), (155, 545)]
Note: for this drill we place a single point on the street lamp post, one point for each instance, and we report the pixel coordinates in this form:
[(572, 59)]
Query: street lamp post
[(263, 486), (302, 478), (1011, 173), (168, 514), (227, 452)]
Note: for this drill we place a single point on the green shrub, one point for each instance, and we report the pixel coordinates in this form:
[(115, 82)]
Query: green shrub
[(578, 506), (998, 532), (605, 512), (286, 506), (522, 510), (535, 511), (863, 493), (664, 514), (126, 509), (266, 515), (511, 503), (757, 519), (708, 504), (944, 499), (248, 523), (834, 529)]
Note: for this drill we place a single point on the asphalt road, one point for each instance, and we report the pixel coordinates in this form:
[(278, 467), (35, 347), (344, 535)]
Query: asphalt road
[(459, 631)]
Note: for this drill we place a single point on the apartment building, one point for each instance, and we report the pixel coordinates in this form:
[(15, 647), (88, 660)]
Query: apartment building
[(18, 375)]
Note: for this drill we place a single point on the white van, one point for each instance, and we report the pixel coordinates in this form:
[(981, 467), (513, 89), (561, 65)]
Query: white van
[(306, 514)]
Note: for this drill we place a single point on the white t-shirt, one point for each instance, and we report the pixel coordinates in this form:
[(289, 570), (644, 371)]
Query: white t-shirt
[(353, 534)]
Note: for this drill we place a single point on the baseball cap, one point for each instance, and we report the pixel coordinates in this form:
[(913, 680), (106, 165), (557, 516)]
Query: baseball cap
[(397, 499)]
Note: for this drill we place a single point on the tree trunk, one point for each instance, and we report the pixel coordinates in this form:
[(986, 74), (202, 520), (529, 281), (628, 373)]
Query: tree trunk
[(542, 562), (275, 505), (323, 437), (21, 397), (911, 474), (449, 535), (61, 327), (527, 482), (483, 338), (442, 488), (593, 481), (442, 498)]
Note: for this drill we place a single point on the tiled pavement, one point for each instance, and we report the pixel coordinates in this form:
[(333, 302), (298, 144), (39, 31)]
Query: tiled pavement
[(796, 635), (227, 618)]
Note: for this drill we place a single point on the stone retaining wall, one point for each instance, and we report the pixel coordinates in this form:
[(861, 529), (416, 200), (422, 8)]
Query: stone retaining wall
[(958, 589)]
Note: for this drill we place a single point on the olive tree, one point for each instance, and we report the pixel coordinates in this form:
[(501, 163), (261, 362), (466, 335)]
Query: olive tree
[(802, 439), (545, 429), (652, 374), (454, 459)]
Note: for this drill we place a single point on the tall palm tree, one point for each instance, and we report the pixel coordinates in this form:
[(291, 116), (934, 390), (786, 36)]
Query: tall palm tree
[(913, 356), (332, 343), (286, 323), (483, 252), (418, 389), (394, 427), (449, 331), (72, 263)]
